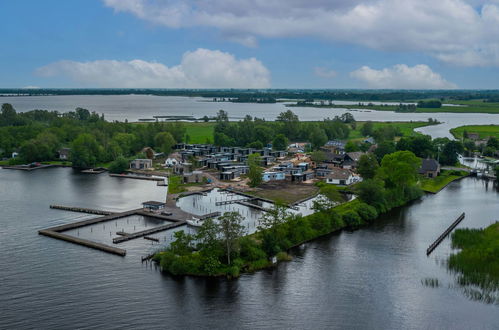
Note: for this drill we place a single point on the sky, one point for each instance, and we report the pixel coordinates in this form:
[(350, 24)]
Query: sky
[(380, 44)]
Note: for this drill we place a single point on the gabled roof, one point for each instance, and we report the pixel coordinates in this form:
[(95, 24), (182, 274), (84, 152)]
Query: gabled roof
[(339, 174), (355, 156), (429, 165)]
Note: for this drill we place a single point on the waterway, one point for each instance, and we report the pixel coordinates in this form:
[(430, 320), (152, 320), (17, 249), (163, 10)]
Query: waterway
[(135, 107), (366, 279)]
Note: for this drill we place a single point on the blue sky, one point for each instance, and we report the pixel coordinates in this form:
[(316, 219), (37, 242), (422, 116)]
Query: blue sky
[(254, 44)]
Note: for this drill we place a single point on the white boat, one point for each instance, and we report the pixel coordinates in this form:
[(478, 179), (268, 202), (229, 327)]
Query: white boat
[(194, 222)]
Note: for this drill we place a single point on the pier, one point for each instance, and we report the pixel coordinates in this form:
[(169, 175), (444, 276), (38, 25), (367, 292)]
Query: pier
[(80, 210), (126, 236), (439, 240), (137, 177)]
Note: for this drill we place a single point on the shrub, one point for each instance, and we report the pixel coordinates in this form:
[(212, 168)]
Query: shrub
[(367, 212), (352, 219)]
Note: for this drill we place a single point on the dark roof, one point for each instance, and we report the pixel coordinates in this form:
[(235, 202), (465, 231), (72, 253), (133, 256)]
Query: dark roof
[(429, 165), (153, 203), (339, 174)]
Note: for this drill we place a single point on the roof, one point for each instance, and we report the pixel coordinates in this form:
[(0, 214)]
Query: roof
[(339, 174), (355, 156), (429, 165), (153, 203)]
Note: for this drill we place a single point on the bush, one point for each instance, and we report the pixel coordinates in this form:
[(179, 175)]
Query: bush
[(367, 212), (119, 165), (352, 219)]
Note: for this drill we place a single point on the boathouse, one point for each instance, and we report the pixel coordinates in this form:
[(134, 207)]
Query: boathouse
[(153, 205)]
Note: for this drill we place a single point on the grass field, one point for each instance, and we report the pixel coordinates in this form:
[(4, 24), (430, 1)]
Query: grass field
[(436, 184), (473, 106), (201, 132), (285, 192), (484, 131)]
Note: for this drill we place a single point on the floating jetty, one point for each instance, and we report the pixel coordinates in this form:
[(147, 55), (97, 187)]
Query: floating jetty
[(439, 240), (136, 177), (234, 201)]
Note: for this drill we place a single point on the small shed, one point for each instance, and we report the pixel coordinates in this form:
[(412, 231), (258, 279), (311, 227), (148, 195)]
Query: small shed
[(64, 153), (153, 205), (141, 164)]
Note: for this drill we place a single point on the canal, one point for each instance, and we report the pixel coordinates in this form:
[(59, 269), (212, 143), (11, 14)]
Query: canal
[(369, 278)]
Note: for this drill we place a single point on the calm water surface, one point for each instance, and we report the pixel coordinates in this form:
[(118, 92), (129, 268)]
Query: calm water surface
[(134, 107), (367, 279)]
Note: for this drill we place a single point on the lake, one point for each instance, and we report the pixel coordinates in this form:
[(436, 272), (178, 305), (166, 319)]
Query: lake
[(135, 107), (369, 278)]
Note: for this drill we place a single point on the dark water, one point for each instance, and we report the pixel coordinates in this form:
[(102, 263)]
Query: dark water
[(134, 107), (367, 279)]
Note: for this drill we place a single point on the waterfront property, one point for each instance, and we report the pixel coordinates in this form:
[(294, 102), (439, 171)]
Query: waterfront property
[(342, 177), (153, 205), (141, 164), (430, 168)]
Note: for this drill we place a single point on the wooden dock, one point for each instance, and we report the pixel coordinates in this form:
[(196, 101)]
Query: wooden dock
[(80, 210), (439, 240), (84, 242), (136, 177), (258, 207), (147, 232)]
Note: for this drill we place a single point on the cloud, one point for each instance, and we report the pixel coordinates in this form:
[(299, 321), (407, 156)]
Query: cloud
[(401, 76), (461, 32), (202, 68), (324, 72)]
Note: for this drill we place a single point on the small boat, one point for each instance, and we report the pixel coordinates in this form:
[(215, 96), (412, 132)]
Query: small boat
[(194, 222)]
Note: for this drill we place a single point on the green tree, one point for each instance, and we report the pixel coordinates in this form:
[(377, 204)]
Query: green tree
[(290, 123), (351, 146), (255, 170), (231, 231), (317, 137), (164, 141), (367, 166), (450, 152), (85, 151), (280, 142), (318, 156), (384, 148), (119, 165), (182, 245), (8, 115), (372, 192), (399, 169), (367, 129)]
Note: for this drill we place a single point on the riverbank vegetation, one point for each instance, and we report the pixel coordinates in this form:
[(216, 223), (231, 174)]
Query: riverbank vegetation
[(393, 184), (477, 262), (484, 131), (434, 185)]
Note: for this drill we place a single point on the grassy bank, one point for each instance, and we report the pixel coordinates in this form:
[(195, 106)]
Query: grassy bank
[(463, 107), (484, 131), (203, 132), (478, 260), (434, 185)]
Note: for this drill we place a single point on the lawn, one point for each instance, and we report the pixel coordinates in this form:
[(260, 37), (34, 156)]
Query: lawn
[(484, 131), (407, 128), (200, 132), (440, 182), (285, 192)]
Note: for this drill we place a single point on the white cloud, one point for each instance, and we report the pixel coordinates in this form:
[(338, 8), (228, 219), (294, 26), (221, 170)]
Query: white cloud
[(324, 72), (401, 76), (202, 68), (462, 32)]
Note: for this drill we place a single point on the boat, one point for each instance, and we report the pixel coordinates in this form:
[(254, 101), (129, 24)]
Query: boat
[(194, 222)]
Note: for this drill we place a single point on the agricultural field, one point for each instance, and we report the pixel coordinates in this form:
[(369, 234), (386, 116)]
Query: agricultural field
[(484, 131)]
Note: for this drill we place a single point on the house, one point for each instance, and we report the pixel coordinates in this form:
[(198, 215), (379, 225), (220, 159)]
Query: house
[(334, 146), (141, 164), (473, 136), (430, 168), (64, 153), (273, 176), (153, 206), (341, 176), (352, 160), (302, 176), (170, 162), (193, 177), (182, 168)]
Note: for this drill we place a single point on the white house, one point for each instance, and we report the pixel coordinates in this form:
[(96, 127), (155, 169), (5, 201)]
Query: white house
[(341, 176), (273, 176)]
